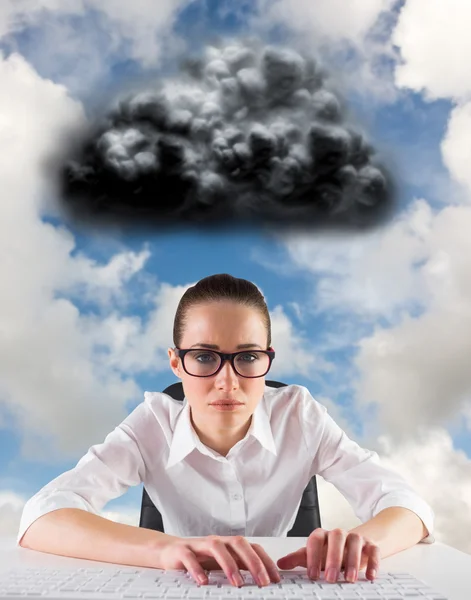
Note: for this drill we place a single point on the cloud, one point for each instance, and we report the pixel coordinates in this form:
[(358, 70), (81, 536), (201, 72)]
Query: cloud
[(103, 283), (137, 29), (398, 300), (435, 46), (242, 135), (435, 63), (11, 507), (441, 474), (456, 146), (354, 36), (416, 372), (49, 379), (370, 275), (295, 353), (134, 345), (331, 19)]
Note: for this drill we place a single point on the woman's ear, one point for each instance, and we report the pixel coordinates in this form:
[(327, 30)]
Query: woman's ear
[(174, 362)]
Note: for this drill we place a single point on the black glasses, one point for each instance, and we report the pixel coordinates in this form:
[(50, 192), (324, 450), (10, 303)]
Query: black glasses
[(205, 363)]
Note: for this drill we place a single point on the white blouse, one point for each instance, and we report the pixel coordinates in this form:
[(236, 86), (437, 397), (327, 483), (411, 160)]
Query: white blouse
[(255, 490)]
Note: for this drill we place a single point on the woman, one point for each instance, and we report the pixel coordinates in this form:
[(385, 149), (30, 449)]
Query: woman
[(232, 461)]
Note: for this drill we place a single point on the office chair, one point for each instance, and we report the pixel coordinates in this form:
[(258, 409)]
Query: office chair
[(307, 519)]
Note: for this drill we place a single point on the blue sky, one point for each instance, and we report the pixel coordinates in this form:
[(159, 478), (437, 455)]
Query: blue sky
[(405, 122)]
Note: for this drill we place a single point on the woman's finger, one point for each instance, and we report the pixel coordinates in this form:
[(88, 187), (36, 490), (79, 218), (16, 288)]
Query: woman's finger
[(374, 559), (254, 563), (270, 566), (191, 564), (353, 553), (293, 559), (335, 550), (217, 548), (315, 552)]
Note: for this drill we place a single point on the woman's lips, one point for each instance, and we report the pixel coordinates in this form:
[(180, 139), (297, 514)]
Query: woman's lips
[(221, 405)]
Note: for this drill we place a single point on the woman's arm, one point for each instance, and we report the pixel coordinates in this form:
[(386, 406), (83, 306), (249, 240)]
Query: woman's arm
[(392, 530), (67, 508), (79, 534), (381, 498)]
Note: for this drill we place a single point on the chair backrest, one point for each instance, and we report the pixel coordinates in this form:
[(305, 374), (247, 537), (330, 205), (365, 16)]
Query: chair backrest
[(307, 519)]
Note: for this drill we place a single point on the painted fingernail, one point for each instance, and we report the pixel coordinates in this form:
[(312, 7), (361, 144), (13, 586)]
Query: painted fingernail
[(331, 575), (351, 574)]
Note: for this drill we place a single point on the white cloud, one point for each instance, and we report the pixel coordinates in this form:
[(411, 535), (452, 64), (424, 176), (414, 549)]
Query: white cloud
[(434, 42), (132, 345), (435, 48), (369, 274), (103, 283), (11, 507), (91, 35), (332, 19), (416, 373), (49, 379), (441, 474), (415, 276), (456, 145), (295, 354), (143, 23)]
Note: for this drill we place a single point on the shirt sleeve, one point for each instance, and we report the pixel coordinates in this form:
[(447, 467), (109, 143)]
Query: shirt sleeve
[(105, 472), (358, 474)]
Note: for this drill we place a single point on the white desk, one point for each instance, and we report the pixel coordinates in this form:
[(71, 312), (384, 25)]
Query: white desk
[(445, 569)]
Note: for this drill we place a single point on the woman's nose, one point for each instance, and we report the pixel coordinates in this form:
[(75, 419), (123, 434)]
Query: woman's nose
[(227, 374)]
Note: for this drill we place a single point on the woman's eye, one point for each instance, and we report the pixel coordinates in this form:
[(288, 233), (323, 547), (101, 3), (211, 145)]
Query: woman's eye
[(248, 357), (204, 357)]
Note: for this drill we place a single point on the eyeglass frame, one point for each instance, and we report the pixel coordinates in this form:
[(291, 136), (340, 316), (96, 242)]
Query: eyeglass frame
[(180, 352)]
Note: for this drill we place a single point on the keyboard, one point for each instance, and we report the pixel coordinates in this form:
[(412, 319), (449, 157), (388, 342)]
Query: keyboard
[(113, 583)]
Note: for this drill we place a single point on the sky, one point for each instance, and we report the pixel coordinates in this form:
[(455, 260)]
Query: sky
[(376, 324)]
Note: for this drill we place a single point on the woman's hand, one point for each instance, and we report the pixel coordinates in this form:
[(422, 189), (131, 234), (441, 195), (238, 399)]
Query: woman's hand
[(334, 551), (229, 553)]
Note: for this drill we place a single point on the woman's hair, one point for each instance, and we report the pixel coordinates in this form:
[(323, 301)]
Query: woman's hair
[(219, 288)]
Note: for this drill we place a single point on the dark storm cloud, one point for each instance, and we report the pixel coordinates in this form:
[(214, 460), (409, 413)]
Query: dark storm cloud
[(240, 136)]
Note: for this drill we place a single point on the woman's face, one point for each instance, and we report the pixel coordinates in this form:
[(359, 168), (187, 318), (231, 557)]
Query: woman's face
[(226, 325)]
